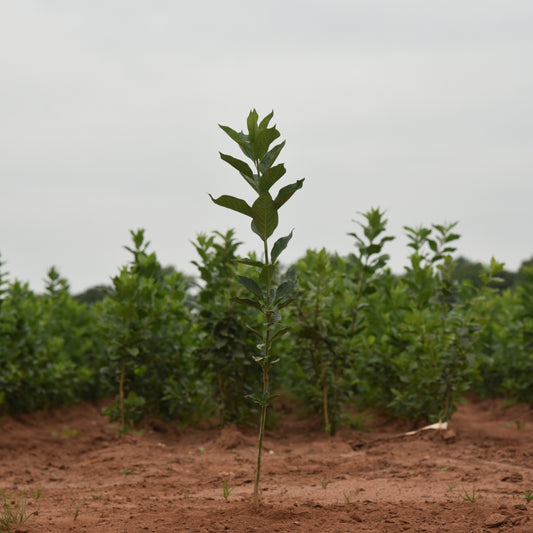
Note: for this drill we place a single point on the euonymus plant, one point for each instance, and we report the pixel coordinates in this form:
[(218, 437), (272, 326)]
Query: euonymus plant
[(146, 333), (266, 295), (223, 340), (331, 319)]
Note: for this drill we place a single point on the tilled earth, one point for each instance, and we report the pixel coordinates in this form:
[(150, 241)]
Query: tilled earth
[(472, 477)]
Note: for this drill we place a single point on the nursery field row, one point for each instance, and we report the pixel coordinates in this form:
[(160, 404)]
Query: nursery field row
[(358, 336), (335, 334)]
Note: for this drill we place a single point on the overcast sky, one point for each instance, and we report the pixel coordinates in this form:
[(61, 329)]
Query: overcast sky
[(109, 113)]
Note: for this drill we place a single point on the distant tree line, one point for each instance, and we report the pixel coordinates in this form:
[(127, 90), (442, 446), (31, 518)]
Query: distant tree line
[(464, 270)]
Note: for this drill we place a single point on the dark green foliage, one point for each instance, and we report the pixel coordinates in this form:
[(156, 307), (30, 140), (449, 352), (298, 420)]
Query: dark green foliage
[(93, 294), (330, 316), (371, 283), (369, 262), (431, 333), (77, 325), (320, 319), (520, 383), (434, 363), (146, 331), (224, 340), (413, 343), (49, 352), (468, 271), (506, 353)]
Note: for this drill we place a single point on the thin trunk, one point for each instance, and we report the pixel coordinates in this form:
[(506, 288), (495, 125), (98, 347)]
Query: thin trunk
[(262, 424), (265, 365)]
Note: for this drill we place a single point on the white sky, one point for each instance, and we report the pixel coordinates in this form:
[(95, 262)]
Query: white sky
[(109, 113)]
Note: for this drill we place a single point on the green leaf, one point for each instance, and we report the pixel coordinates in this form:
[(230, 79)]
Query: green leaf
[(241, 139), (262, 141), (285, 303), (271, 176), (270, 157), (266, 273), (267, 396), (279, 246), (265, 215), (495, 266), (452, 237), (238, 164), (279, 334), (286, 192), (285, 289), (256, 231), (252, 124), (238, 137), (248, 303), (249, 262), (244, 170), (264, 123), (371, 249), (255, 398), (236, 204), (252, 286), (386, 239), (255, 332), (140, 371)]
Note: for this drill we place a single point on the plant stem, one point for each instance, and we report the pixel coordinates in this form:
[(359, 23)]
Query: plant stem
[(262, 423), (265, 364)]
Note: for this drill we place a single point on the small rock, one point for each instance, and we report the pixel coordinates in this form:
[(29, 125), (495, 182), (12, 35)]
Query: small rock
[(521, 506), (495, 520), (356, 517)]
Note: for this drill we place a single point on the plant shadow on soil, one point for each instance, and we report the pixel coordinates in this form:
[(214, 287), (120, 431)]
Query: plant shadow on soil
[(167, 480)]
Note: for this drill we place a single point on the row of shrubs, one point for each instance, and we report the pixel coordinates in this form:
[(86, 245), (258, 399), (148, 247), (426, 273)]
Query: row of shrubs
[(170, 346)]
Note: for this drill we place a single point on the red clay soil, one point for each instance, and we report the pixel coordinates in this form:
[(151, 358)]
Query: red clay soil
[(170, 480)]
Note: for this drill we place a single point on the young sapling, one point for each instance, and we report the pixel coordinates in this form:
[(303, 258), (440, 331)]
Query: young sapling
[(266, 295)]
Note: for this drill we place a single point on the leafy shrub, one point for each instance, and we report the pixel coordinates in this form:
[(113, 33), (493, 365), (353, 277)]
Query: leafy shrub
[(49, 352), (329, 317), (505, 354), (435, 359), (315, 319), (223, 340), (146, 329)]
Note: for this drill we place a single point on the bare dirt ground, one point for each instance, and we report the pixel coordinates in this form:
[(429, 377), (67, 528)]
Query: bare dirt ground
[(167, 480)]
